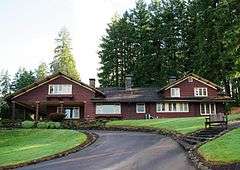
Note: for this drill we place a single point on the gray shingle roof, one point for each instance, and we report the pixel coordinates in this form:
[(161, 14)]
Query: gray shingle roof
[(133, 95)]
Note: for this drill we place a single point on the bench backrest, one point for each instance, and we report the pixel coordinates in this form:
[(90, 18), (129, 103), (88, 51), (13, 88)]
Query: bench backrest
[(216, 117)]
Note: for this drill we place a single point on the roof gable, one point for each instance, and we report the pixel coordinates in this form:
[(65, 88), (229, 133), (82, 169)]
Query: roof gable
[(49, 79), (195, 77)]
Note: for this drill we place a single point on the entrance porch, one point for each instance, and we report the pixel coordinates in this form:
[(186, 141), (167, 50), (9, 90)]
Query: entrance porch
[(39, 110)]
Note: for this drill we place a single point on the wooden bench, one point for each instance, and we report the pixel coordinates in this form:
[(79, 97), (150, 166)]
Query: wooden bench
[(216, 120)]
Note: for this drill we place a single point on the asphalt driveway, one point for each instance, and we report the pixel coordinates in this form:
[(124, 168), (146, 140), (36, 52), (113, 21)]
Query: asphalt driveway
[(123, 150)]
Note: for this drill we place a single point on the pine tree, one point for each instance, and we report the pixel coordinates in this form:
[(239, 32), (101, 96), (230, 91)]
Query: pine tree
[(41, 71), (5, 83), (22, 79), (63, 60)]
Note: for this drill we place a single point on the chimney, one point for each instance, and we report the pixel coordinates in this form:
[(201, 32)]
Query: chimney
[(128, 82), (92, 83), (172, 79)]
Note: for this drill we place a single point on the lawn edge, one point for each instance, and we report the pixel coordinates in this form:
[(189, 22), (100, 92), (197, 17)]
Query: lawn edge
[(200, 162), (91, 138)]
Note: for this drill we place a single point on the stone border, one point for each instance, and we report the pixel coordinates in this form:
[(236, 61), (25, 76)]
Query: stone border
[(202, 164), (91, 138)]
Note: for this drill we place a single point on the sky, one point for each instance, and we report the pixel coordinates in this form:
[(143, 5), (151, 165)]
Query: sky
[(29, 27)]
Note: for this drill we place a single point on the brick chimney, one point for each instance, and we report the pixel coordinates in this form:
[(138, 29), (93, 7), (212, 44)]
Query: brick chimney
[(128, 82), (172, 79), (92, 82)]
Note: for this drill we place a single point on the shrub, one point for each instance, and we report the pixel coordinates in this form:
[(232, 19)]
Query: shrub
[(54, 125), (42, 125), (56, 117), (27, 124)]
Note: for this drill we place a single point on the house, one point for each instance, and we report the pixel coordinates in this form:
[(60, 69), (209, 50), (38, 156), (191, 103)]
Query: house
[(191, 95)]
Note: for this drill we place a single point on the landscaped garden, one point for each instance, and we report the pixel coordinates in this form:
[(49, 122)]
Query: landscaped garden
[(180, 125), (223, 150), (23, 145)]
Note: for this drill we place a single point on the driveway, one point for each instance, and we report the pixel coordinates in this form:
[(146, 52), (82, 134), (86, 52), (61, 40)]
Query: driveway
[(123, 150)]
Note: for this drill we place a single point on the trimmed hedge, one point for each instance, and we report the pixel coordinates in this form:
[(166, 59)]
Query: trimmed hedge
[(48, 125), (28, 124)]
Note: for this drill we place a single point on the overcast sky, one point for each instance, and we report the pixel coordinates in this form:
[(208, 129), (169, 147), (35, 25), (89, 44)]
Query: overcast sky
[(29, 27)]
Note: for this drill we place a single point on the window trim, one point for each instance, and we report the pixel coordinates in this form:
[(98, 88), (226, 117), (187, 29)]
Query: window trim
[(137, 104), (52, 85), (169, 104), (174, 88), (197, 89), (210, 109), (119, 104)]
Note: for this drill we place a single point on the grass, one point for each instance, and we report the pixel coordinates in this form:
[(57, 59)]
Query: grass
[(180, 125), (22, 145), (223, 150)]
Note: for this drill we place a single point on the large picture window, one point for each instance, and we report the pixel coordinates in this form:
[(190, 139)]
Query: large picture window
[(172, 107), (60, 89), (200, 92), (207, 108), (108, 109)]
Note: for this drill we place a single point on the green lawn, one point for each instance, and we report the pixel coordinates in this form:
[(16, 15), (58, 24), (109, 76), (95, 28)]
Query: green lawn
[(180, 125), (17, 146), (224, 149)]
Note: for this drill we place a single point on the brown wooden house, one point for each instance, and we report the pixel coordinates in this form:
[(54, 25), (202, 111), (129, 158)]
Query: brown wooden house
[(189, 96)]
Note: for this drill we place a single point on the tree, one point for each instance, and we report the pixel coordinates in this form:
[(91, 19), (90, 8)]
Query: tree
[(5, 83), (173, 37), (41, 71), (22, 79), (63, 60)]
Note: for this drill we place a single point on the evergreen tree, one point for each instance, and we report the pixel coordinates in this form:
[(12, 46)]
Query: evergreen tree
[(5, 83), (22, 79), (41, 71), (63, 60), (173, 37)]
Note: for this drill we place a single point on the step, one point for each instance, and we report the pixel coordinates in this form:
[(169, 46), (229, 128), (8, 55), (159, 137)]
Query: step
[(201, 139), (191, 141)]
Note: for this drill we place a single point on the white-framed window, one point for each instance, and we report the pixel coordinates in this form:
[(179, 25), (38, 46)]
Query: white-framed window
[(108, 109), (70, 112), (207, 108), (160, 107), (60, 89), (172, 107), (140, 108), (200, 91), (175, 92)]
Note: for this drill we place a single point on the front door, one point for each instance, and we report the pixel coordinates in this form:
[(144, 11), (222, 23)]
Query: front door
[(207, 108)]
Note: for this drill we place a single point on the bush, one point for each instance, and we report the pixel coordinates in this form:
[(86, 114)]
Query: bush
[(42, 125), (56, 117), (54, 125), (28, 124)]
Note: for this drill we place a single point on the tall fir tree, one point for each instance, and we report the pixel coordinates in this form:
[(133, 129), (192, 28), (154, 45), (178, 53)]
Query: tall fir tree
[(173, 37), (42, 71), (63, 60), (22, 79), (5, 83)]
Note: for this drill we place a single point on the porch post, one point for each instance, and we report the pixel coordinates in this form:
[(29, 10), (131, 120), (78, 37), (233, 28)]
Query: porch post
[(24, 114), (61, 107), (37, 111), (13, 110)]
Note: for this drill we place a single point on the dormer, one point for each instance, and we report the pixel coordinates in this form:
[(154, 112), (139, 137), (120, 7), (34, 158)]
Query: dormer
[(190, 86)]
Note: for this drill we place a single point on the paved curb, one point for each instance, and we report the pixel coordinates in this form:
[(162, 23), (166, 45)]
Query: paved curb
[(91, 138)]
